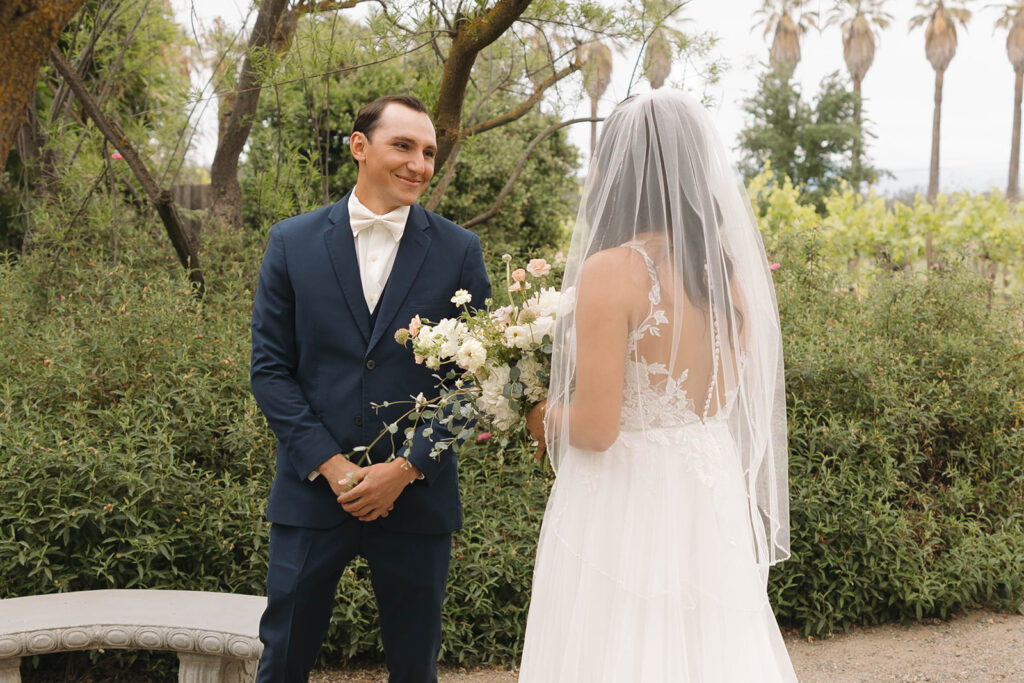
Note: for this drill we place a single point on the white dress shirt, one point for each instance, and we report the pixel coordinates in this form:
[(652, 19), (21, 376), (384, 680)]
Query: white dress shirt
[(376, 240)]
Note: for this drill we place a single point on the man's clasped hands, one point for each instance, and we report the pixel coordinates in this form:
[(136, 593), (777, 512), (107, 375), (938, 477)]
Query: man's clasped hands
[(369, 492)]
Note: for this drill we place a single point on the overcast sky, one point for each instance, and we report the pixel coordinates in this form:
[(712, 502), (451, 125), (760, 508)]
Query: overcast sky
[(898, 89)]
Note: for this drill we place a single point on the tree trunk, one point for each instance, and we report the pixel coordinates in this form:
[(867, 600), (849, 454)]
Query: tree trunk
[(227, 193), (472, 34), (1012, 187), (28, 29), (857, 141), (933, 174)]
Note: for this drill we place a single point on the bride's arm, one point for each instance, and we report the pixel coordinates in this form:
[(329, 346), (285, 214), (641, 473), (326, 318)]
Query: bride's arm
[(603, 305)]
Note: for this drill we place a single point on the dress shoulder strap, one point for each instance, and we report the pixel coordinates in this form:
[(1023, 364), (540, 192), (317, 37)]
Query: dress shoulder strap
[(654, 294)]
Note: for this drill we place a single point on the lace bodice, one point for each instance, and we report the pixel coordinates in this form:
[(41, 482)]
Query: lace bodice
[(652, 396)]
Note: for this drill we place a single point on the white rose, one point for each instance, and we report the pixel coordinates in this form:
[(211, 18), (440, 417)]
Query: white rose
[(541, 326), (546, 300), (471, 355)]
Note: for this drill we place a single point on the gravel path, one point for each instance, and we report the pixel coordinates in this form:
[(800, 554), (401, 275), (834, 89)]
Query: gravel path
[(979, 645)]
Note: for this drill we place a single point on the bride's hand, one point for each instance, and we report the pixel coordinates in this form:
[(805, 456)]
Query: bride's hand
[(535, 424)]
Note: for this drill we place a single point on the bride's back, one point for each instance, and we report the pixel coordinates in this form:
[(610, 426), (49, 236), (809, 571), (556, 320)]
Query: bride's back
[(672, 356)]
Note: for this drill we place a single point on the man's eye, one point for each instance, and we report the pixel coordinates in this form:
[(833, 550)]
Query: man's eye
[(430, 155)]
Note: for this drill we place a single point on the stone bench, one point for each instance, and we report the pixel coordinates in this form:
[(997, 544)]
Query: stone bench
[(214, 634)]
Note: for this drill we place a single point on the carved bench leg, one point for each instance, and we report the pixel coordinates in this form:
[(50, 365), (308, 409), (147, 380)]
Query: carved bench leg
[(10, 670), (196, 668)]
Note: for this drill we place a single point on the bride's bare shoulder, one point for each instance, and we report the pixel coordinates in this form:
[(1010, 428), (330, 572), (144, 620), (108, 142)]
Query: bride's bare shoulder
[(616, 271)]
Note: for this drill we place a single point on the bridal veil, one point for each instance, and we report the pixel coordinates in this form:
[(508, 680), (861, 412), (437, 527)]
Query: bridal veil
[(660, 182)]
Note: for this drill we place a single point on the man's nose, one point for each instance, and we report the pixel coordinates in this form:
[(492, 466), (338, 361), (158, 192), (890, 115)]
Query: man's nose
[(418, 163)]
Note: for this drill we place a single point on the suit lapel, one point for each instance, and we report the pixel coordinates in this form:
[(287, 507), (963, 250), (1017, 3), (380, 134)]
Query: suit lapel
[(342, 249), (412, 251)]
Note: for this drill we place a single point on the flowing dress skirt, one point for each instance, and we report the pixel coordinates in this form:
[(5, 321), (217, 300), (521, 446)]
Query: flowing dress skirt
[(645, 568)]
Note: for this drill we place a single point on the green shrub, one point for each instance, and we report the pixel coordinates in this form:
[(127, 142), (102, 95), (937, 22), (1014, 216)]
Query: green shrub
[(906, 448), (132, 455)]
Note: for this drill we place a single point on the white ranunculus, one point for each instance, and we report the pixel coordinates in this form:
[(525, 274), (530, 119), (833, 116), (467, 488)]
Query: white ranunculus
[(471, 355), (518, 337), (462, 297), (503, 315)]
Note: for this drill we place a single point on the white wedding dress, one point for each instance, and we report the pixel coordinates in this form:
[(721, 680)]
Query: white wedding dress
[(646, 565)]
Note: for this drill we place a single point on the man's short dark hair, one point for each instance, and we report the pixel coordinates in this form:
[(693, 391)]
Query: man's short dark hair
[(368, 115)]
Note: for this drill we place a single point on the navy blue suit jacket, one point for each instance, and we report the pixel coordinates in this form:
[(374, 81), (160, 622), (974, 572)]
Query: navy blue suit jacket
[(317, 366)]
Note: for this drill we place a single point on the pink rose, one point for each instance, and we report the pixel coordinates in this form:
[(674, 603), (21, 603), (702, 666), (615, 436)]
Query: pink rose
[(414, 326), (116, 155), (774, 266), (538, 267), (483, 436), (518, 274)]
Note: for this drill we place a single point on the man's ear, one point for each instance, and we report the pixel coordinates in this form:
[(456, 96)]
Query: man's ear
[(357, 146)]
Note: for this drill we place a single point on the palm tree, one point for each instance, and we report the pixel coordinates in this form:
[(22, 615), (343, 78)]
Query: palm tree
[(1013, 18), (777, 17), (597, 74), (857, 17), (658, 58), (939, 47)]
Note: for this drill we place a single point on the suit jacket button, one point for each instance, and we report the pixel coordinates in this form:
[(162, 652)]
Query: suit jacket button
[(371, 364), (359, 420)]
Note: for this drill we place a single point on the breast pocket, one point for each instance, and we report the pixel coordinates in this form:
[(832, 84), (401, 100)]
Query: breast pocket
[(432, 310)]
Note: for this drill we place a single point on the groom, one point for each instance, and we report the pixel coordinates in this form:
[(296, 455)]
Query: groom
[(335, 285)]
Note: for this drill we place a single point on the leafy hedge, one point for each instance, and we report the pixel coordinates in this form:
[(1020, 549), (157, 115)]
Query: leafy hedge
[(132, 454)]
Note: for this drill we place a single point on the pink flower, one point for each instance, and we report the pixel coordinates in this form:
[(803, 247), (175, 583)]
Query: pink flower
[(516, 287), (774, 266), (116, 155), (518, 274), (418, 358), (414, 326), (538, 267), (483, 436)]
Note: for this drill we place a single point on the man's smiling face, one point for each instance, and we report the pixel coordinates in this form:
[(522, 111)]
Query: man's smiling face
[(396, 161)]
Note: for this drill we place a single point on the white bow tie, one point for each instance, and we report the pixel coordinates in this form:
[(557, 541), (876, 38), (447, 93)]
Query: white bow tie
[(361, 218)]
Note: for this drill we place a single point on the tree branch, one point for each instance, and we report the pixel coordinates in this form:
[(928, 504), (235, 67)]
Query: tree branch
[(162, 200), (527, 104), (500, 199), (310, 6), (472, 34)]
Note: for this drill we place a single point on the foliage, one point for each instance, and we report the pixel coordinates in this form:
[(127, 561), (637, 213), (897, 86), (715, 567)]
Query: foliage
[(867, 235), (298, 158), (134, 456), (131, 58), (906, 436), (811, 144)]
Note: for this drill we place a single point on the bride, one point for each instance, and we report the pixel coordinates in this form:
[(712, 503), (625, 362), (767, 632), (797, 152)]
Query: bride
[(665, 422)]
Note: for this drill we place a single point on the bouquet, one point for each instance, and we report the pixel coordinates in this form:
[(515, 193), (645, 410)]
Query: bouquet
[(492, 364)]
